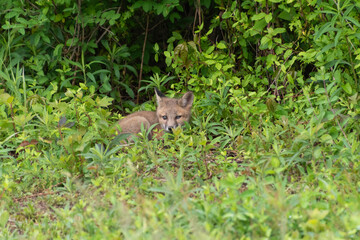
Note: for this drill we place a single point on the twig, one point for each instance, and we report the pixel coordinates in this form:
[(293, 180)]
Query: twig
[(142, 58), (12, 117), (197, 16), (156, 25), (106, 30), (33, 5)]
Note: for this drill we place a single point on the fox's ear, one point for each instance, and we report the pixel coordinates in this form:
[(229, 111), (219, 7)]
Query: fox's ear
[(159, 95), (186, 100)]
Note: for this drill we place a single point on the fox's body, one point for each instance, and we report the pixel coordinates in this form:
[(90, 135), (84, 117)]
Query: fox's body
[(170, 113)]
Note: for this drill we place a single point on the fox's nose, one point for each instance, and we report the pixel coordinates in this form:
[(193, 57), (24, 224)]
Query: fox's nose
[(171, 128)]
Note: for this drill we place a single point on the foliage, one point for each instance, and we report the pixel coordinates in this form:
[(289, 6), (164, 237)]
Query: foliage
[(272, 151)]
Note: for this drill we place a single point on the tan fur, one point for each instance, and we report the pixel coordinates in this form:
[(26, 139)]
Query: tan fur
[(170, 113)]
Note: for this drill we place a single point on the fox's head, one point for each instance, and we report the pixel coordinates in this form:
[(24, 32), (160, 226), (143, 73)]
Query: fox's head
[(173, 112)]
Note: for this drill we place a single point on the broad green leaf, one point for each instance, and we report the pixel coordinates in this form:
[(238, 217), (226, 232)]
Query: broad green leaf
[(287, 54), (22, 31), (58, 18), (258, 27), (320, 91), (290, 78), (147, 6), (91, 76), (221, 45), (105, 87), (265, 40), (258, 16), (10, 100), (103, 102), (275, 162), (278, 30), (4, 218), (226, 15), (72, 41), (181, 51), (268, 18), (218, 66), (347, 88), (210, 62), (58, 49)]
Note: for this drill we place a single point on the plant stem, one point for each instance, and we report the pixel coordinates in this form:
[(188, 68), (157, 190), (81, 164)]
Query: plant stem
[(142, 57), (12, 117)]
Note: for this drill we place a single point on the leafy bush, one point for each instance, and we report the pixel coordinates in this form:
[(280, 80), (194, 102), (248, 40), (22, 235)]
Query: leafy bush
[(272, 149)]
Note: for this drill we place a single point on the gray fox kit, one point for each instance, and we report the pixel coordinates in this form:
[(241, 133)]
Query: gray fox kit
[(170, 113)]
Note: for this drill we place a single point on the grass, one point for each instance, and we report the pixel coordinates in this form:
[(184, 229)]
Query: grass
[(283, 177)]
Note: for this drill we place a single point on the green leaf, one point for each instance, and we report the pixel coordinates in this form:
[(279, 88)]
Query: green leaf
[(268, 18), (218, 66), (91, 76), (258, 16), (278, 30), (104, 102), (327, 27), (6, 98), (287, 15), (10, 100), (221, 45), (147, 6), (72, 41), (45, 38), (4, 218), (22, 31), (181, 51), (275, 162), (210, 62), (290, 78), (353, 20), (265, 40), (320, 91), (206, 3), (128, 90), (226, 15), (105, 87), (258, 27), (287, 53), (14, 12), (338, 35), (270, 59), (177, 35), (58, 18), (347, 88)]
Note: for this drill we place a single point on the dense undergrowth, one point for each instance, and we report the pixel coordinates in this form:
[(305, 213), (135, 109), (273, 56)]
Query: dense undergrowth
[(272, 151)]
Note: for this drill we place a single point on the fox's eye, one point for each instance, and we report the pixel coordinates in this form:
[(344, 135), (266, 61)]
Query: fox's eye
[(164, 117), (178, 117)]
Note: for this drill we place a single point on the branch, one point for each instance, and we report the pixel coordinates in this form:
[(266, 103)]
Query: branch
[(142, 57)]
